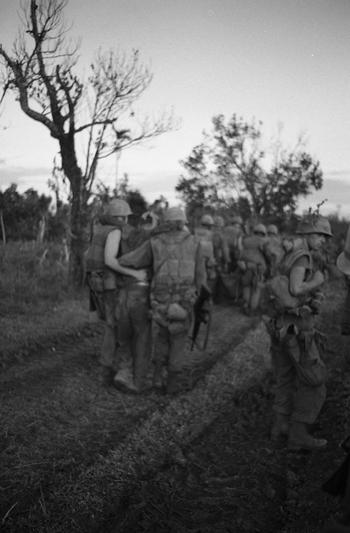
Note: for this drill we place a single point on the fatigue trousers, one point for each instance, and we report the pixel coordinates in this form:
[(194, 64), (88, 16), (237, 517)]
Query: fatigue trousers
[(170, 351), (108, 356), (294, 397), (133, 329)]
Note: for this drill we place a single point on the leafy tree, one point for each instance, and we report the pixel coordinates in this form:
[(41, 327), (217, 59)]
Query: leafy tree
[(230, 168), (42, 72), (22, 213)]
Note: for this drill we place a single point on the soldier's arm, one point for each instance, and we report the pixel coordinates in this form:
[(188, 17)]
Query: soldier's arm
[(298, 286), (141, 257), (111, 252)]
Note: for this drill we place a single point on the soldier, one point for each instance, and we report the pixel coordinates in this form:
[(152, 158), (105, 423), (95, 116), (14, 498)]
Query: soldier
[(221, 251), (204, 233), (233, 234), (300, 372), (253, 265), (177, 262), (222, 259), (341, 478), (273, 249), (105, 277)]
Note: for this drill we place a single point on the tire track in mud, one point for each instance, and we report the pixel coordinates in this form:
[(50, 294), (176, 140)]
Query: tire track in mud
[(57, 420)]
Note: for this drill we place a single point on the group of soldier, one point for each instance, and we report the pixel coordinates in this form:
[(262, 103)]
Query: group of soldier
[(144, 282)]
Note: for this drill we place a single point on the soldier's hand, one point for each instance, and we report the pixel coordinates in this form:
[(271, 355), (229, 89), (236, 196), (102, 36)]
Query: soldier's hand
[(140, 275)]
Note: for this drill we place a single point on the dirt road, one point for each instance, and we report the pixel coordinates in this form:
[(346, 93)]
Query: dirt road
[(79, 457), (58, 421), (232, 479)]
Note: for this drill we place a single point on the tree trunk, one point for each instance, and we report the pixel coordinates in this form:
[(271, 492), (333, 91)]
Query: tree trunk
[(2, 225), (78, 212)]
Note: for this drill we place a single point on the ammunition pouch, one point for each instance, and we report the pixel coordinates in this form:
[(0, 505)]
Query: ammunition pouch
[(95, 281), (176, 312)]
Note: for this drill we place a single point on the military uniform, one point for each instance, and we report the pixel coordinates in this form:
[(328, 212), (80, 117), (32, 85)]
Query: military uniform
[(205, 235), (178, 269), (121, 301), (273, 250), (233, 235), (253, 265), (102, 282), (296, 346)]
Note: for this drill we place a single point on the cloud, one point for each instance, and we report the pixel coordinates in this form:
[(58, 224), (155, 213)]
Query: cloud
[(35, 177), (337, 194)]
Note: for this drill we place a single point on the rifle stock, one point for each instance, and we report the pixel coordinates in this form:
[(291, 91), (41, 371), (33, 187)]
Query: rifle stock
[(200, 314)]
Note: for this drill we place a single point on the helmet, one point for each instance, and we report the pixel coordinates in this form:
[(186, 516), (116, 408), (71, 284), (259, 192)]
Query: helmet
[(207, 220), (219, 221), (272, 229), (260, 228), (237, 220), (118, 208), (315, 224), (174, 214)]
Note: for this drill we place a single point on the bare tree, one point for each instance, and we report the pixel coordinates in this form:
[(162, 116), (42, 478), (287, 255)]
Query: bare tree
[(42, 71)]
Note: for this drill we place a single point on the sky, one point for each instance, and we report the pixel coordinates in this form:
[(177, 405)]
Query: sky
[(284, 62)]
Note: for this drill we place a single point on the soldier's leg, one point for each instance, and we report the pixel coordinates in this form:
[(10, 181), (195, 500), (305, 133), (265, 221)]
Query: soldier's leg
[(178, 357), (308, 402), (140, 342), (284, 388), (160, 349), (108, 356), (246, 293)]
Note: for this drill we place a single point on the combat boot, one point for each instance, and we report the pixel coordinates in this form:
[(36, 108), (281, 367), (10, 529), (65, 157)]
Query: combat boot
[(280, 427), (124, 382), (300, 439)]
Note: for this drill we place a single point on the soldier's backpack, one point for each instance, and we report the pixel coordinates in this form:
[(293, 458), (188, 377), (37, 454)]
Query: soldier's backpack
[(277, 295)]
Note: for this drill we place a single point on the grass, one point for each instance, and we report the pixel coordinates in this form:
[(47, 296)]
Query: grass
[(37, 303), (32, 276)]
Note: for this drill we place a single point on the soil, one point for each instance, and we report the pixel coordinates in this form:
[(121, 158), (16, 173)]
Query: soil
[(58, 423), (57, 420), (232, 478)]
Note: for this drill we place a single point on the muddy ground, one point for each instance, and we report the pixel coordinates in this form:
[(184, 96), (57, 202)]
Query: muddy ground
[(57, 421), (58, 425), (232, 478)]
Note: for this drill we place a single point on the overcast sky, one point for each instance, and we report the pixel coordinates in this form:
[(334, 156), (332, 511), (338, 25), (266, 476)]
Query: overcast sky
[(280, 61)]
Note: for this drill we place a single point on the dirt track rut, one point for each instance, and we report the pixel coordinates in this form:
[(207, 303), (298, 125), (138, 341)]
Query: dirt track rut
[(57, 419)]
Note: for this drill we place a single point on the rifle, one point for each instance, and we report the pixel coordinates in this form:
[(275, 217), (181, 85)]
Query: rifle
[(202, 315)]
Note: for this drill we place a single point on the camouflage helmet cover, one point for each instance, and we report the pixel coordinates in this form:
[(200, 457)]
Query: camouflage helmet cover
[(237, 220), (118, 208), (260, 228), (315, 224), (174, 214), (219, 221), (207, 220), (272, 229)]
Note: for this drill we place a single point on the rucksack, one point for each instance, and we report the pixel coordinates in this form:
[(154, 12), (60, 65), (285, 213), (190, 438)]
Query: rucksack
[(278, 297)]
